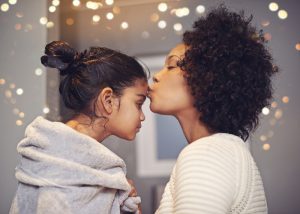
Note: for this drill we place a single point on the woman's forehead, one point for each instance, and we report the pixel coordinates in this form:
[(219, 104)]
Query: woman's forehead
[(178, 50)]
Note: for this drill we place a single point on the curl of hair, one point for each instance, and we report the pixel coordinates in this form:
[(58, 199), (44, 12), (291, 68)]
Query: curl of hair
[(87, 73), (228, 69)]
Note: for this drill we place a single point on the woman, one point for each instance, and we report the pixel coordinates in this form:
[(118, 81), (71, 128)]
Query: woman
[(64, 168), (215, 83)]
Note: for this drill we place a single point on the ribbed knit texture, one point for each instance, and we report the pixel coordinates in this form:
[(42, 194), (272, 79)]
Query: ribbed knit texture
[(214, 174)]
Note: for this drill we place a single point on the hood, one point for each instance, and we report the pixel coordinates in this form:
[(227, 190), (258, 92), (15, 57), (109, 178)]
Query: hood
[(53, 154)]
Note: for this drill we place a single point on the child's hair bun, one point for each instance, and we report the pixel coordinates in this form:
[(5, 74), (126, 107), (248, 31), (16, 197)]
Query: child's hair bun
[(60, 55)]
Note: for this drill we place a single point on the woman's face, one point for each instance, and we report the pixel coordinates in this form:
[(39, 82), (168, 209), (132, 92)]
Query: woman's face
[(128, 115), (169, 93)]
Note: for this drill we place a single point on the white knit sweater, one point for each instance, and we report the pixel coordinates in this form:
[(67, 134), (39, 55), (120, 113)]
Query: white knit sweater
[(214, 174)]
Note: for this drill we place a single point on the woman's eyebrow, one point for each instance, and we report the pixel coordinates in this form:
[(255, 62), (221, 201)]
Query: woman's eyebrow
[(171, 57)]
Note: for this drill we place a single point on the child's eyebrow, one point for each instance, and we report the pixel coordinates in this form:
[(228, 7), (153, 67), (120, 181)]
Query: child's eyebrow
[(143, 96)]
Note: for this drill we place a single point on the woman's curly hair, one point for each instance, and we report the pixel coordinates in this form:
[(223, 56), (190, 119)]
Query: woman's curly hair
[(228, 69)]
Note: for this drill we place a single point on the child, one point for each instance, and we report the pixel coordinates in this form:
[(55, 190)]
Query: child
[(64, 168)]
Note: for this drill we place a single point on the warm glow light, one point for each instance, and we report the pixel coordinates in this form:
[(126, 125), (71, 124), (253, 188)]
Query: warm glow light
[(274, 104), (177, 27), (162, 24), (18, 26), (76, 3), (19, 123), (265, 23), (43, 20), (273, 6), (69, 21), (21, 114), (109, 2), (278, 114), (4, 7), (19, 15), (52, 9), (12, 85), (38, 72), (116, 10), (55, 2), (154, 17), (124, 25), (263, 138), (109, 16), (266, 147), (93, 5), (282, 14), (50, 24), (96, 18), (267, 36), (265, 111), (162, 7), (2, 81), (200, 9), (297, 46), (12, 2), (46, 110), (16, 111), (181, 12), (8, 93), (19, 91), (285, 99)]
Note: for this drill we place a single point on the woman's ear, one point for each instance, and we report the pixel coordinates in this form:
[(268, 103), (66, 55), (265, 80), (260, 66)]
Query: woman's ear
[(105, 98)]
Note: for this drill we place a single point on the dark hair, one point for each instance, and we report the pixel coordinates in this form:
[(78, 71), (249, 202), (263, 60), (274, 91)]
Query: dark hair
[(87, 73), (228, 69)]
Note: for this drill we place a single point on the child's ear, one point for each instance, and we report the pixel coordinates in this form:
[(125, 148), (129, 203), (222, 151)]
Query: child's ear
[(106, 99)]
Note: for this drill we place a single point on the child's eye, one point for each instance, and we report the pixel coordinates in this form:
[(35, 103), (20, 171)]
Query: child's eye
[(139, 105)]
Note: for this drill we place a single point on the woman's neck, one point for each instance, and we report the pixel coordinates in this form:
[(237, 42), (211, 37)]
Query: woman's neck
[(192, 128), (84, 124)]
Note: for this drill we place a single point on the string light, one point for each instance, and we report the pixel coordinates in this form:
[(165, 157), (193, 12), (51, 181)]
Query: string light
[(266, 147), (124, 25), (109, 2), (50, 24), (154, 17), (282, 14), (19, 91), (38, 71), (273, 6), (52, 9), (265, 111), (162, 24), (200, 9), (96, 18), (12, 2), (181, 12), (55, 2), (177, 27), (46, 110), (285, 99), (76, 3), (162, 7), (43, 20), (109, 16), (2, 81), (69, 21), (4, 7)]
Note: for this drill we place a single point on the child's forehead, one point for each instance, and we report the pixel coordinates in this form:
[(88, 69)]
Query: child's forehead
[(139, 89)]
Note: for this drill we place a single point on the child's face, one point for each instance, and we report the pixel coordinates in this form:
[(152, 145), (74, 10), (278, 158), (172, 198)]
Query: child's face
[(128, 114)]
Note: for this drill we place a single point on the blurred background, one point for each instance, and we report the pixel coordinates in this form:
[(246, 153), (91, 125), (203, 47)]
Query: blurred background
[(147, 29)]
